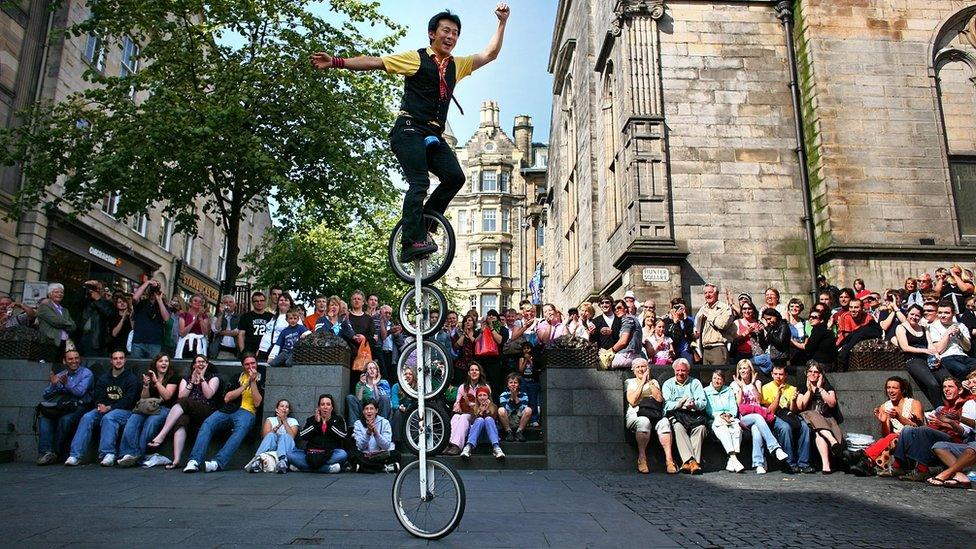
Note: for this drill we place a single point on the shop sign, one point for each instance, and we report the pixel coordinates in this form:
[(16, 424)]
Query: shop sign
[(656, 274), (196, 285), (105, 256)]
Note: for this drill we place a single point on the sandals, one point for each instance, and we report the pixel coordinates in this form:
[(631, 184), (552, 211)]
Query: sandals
[(174, 465), (936, 481), (955, 483), (153, 444), (672, 468), (642, 466)]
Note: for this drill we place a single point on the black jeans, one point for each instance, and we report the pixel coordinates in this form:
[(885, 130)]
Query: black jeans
[(929, 381), (416, 159)]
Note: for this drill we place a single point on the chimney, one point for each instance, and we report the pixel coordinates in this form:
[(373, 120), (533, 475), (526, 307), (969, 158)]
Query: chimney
[(523, 137), (489, 114)]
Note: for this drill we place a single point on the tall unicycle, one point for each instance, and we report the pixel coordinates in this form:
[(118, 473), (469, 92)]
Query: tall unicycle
[(428, 494)]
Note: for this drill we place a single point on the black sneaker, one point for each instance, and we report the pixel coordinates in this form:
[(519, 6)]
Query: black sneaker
[(510, 436), (520, 436), (417, 250), (808, 470)]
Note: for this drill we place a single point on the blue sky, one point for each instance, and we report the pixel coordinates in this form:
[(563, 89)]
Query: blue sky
[(517, 80)]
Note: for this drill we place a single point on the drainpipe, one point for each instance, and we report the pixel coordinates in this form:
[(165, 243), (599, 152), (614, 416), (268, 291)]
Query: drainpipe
[(784, 12)]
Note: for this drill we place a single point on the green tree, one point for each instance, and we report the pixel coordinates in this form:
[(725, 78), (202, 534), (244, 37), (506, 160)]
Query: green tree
[(228, 114), (320, 258)]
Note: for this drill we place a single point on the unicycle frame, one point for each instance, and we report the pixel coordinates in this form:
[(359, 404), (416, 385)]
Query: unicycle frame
[(419, 265)]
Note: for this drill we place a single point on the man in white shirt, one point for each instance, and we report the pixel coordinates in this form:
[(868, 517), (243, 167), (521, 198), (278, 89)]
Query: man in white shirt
[(950, 341)]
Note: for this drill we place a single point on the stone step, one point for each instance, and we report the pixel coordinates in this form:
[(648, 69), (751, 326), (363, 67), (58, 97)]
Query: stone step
[(488, 462)]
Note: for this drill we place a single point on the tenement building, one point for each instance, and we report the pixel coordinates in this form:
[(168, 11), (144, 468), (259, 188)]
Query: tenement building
[(682, 153), (497, 215), (39, 62)]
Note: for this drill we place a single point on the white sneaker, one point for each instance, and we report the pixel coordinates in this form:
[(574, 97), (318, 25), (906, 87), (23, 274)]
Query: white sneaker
[(389, 468), (211, 466), (736, 465), (497, 452), (108, 460), (71, 461), (780, 454), (760, 470), (127, 460), (191, 466), (466, 452), (335, 468), (728, 465)]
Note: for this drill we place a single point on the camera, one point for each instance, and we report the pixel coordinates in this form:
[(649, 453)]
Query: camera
[(90, 287)]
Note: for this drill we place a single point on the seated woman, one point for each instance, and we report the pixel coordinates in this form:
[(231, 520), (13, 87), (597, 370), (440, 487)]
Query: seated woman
[(896, 413), (912, 339), (819, 346), (464, 407), (723, 409), (957, 457), (160, 381), (485, 413), (754, 415), (375, 450), (324, 434), (657, 344), (798, 329), (194, 404), (277, 436), (944, 424), (637, 388), (371, 386), (817, 402), (401, 402)]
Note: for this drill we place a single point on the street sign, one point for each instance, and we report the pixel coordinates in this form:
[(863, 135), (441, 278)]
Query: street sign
[(656, 274)]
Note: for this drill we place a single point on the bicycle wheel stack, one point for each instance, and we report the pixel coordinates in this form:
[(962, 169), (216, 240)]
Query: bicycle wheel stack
[(428, 495)]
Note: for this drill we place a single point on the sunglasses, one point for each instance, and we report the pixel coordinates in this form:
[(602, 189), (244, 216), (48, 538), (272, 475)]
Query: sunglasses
[(814, 317), (618, 308), (929, 310), (606, 303)]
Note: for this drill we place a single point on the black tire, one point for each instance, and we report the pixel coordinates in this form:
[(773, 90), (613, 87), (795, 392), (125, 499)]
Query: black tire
[(435, 266), (432, 301), (437, 373), (440, 512), (439, 428)]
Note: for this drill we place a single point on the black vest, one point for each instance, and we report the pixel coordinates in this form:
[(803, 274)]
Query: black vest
[(421, 91)]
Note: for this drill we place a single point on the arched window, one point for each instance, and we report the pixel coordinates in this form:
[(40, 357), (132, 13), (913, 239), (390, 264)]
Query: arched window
[(954, 63)]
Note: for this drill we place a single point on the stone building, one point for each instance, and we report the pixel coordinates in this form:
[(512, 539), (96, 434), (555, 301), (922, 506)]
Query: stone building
[(38, 62), (496, 215), (675, 157)]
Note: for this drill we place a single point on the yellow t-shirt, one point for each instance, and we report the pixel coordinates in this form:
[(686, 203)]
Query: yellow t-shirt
[(407, 63), (247, 402), (769, 393)]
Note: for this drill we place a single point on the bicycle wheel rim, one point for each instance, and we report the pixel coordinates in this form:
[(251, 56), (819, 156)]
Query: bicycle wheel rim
[(437, 516), (432, 300), (436, 430), (437, 264), (437, 375)]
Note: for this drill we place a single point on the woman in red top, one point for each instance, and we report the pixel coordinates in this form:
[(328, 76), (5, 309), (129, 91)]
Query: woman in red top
[(194, 327)]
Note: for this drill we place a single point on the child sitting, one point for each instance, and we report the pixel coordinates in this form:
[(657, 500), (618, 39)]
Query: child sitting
[(484, 414), (514, 404), (281, 353)]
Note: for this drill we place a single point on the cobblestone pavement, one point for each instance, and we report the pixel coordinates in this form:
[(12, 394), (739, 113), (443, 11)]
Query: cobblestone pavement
[(777, 510)]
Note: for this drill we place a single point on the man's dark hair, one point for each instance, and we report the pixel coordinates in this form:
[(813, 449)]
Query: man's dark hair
[(446, 14), (257, 293), (370, 402), (947, 302), (848, 291), (779, 367)]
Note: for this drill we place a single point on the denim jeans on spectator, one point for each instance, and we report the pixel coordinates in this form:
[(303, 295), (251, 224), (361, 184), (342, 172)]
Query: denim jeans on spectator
[(239, 422), (486, 426), (297, 458), (799, 453), (145, 350), (533, 390), (52, 434), (763, 363), (959, 366), (282, 359), (928, 380), (280, 443), (110, 424), (354, 408), (139, 430), (760, 434)]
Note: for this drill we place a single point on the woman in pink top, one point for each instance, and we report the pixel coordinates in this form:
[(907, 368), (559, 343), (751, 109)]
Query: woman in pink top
[(464, 406), (194, 326)]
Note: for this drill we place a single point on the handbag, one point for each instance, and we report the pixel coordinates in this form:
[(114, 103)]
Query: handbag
[(363, 356), (687, 418), (606, 358), (651, 409), (485, 346), (513, 347), (148, 406), (57, 406), (746, 409)]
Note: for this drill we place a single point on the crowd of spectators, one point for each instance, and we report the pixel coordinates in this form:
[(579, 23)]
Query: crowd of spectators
[(497, 395)]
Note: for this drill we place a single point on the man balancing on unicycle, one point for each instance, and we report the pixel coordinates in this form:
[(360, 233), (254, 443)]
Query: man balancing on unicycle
[(431, 75)]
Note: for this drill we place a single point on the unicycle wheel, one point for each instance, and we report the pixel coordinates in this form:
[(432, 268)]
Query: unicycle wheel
[(431, 511), (437, 369), (436, 264), (432, 301), (437, 429)]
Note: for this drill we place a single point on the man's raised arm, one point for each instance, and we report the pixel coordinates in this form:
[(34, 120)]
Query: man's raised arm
[(322, 61), (495, 44)]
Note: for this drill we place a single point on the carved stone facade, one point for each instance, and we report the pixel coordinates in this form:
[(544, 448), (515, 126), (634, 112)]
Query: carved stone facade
[(37, 61), (674, 145), (496, 215)]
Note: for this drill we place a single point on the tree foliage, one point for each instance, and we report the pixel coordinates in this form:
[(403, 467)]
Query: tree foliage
[(320, 258), (228, 115)]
